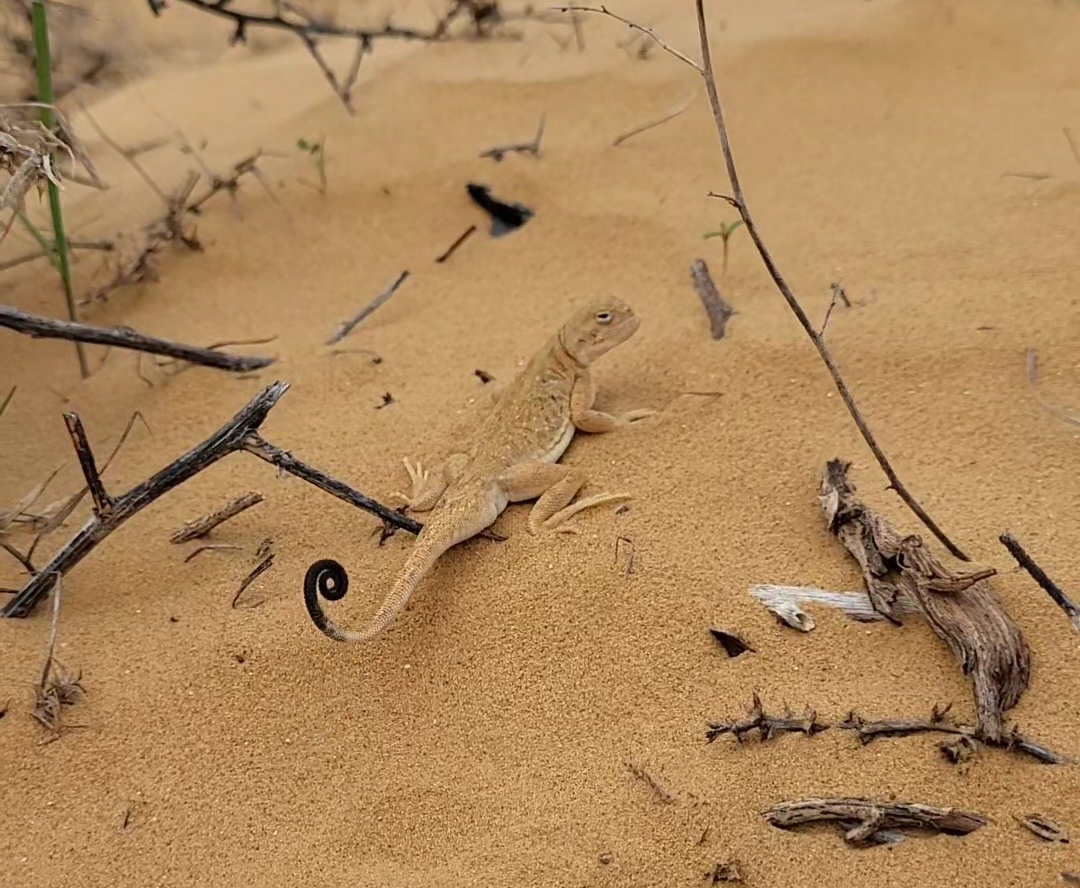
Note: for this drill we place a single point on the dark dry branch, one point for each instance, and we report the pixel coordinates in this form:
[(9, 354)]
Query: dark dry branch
[(716, 307), (41, 327), (259, 569), (1039, 576), (308, 29), (960, 607), (870, 818), (200, 527), (211, 547), (500, 151), (449, 251), (655, 122), (238, 434), (1045, 828), (738, 201), (662, 792), (772, 726), (347, 327)]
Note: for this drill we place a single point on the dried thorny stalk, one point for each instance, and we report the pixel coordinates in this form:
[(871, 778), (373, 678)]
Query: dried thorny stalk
[(56, 688), (865, 821), (767, 726), (482, 15), (960, 607), (738, 201), (770, 727), (137, 264)]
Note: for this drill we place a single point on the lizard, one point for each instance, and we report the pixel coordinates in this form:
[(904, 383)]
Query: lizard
[(514, 457)]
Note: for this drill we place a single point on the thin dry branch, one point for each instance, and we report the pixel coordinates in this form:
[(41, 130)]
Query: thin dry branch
[(738, 201), (716, 306), (309, 30), (56, 689), (240, 433), (200, 527), (102, 245), (662, 792), (348, 326), (961, 608), (655, 122), (500, 151), (40, 327), (864, 820), (1039, 576)]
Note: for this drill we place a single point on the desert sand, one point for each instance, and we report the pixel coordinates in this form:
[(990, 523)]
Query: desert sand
[(484, 739)]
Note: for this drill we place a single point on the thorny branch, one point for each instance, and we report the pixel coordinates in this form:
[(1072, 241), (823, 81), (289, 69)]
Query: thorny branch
[(40, 327), (240, 433), (739, 203), (309, 29), (769, 727)]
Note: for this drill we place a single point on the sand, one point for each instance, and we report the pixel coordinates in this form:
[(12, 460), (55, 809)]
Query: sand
[(484, 740)]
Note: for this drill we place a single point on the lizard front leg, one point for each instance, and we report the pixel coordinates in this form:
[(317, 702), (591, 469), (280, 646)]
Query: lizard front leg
[(586, 419), (429, 486), (555, 485)]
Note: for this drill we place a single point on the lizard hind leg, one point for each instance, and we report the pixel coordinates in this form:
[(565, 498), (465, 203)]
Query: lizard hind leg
[(553, 486)]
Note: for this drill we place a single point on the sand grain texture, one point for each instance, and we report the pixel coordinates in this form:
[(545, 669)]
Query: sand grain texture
[(484, 740)]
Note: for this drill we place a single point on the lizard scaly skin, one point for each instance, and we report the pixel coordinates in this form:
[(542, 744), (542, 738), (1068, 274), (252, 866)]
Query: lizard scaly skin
[(514, 458)]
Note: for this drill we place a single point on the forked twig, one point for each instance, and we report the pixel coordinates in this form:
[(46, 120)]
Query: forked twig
[(500, 151), (738, 201), (240, 433)]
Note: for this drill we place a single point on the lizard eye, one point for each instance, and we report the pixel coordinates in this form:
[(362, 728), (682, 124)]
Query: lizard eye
[(604, 317)]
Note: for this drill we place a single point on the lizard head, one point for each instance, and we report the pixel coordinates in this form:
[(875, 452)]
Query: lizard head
[(597, 327)]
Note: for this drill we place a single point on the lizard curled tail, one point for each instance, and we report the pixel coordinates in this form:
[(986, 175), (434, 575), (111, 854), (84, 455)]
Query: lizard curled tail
[(329, 579)]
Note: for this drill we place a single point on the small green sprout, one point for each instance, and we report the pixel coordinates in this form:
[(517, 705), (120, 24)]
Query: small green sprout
[(724, 233)]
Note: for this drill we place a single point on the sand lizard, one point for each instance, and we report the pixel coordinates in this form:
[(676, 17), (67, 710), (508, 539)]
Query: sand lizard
[(514, 458)]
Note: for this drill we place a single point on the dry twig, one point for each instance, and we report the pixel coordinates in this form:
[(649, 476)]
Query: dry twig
[(864, 820), (41, 327), (739, 203), (200, 527), (1039, 576), (56, 688), (655, 122), (347, 327), (500, 151), (1045, 828), (662, 792)]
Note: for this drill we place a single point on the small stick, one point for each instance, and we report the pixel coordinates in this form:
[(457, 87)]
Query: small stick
[(103, 504), (652, 124), (213, 547), (1045, 828), (453, 247), (873, 817), (40, 327), (500, 151), (200, 527), (1039, 576), (716, 307), (665, 795), (104, 245), (347, 327), (260, 568)]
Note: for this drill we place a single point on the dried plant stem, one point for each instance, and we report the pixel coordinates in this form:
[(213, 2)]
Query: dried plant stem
[(39, 21), (202, 526), (1039, 576), (739, 203)]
